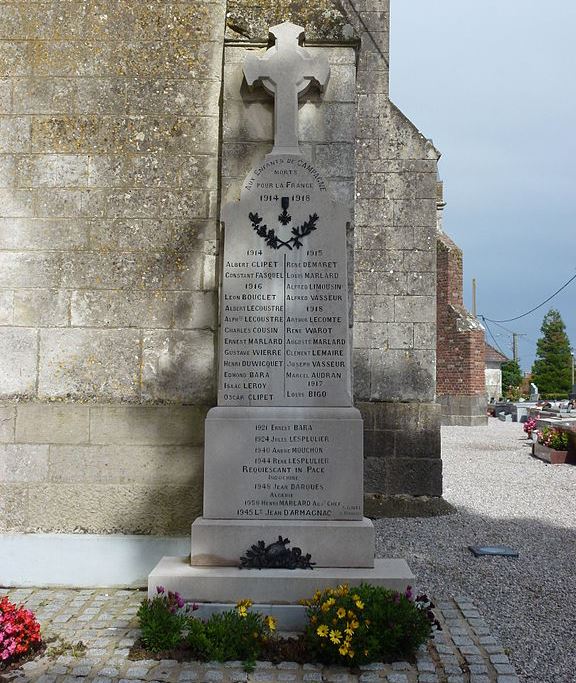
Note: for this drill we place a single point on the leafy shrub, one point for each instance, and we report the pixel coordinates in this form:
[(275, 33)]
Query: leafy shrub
[(161, 621), (553, 438), (236, 634), (366, 624), (19, 632), (346, 626), (166, 624)]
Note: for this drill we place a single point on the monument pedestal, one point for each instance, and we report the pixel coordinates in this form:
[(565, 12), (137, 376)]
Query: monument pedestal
[(283, 463), (220, 543)]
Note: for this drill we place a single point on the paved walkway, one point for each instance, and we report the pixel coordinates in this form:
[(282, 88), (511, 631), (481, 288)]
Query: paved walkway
[(89, 633)]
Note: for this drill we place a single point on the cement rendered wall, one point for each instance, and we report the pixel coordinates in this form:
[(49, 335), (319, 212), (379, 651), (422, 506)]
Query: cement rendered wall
[(109, 134)]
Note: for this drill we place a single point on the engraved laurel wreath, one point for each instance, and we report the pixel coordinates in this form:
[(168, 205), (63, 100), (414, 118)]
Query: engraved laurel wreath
[(298, 232)]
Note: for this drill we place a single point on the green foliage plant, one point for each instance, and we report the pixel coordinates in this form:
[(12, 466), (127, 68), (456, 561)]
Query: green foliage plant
[(166, 624), (162, 621), (553, 438), (234, 635), (552, 369), (352, 626)]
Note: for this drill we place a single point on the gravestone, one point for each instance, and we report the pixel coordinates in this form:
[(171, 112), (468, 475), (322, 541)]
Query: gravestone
[(283, 448)]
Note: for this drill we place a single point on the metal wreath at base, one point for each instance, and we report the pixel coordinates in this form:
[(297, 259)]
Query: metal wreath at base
[(275, 556)]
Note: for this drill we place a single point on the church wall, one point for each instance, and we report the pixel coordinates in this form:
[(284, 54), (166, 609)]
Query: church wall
[(109, 142), (110, 134), (395, 284)]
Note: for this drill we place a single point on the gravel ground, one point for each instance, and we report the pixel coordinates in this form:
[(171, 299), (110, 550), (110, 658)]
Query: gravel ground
[(502, 496)]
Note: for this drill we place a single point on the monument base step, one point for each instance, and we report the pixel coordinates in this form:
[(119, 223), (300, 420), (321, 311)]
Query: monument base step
[(221, 542), (269, 586)]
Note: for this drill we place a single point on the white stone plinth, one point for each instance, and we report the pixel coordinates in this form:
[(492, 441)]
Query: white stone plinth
[(269, 586), (221, 542)]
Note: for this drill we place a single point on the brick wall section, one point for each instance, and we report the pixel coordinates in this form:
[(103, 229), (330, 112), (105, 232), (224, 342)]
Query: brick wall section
[(109, 143), (460, 347), (395, 279)]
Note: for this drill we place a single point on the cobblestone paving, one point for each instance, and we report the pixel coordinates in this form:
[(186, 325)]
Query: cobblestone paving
[(89, 634)]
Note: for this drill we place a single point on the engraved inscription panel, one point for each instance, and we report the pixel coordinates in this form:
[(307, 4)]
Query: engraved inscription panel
[(284, 312), (285, 468)]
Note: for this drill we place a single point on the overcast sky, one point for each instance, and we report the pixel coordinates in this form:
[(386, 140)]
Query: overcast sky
[(493, 84)]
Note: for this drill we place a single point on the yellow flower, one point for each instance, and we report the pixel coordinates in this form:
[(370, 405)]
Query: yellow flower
[(271, 623), (351, 653), (242, 610), (335, 636), (365, 653), (351, 614), (322, 630), (359, 604), (325, 606), (343, 650), (355, 597), (317, 596), (330, 602), (313, 619), (354, 624), (341, 613), (348, 630), (244, 603)]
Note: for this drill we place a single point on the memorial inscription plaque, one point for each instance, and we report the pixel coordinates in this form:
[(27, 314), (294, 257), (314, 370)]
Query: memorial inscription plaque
[(284, 316)]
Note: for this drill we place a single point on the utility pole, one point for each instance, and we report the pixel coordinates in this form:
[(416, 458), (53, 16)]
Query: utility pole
[(515, 336), (474, 296)]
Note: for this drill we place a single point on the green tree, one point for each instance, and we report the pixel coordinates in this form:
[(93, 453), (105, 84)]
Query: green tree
[(551, 371), (511, 378)]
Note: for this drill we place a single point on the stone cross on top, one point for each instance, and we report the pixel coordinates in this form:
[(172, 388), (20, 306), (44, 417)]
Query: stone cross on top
[(286, 71)]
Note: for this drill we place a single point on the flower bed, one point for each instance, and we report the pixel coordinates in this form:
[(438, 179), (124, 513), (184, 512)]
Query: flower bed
[(19, 633), (553, 446), (346, 626)]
